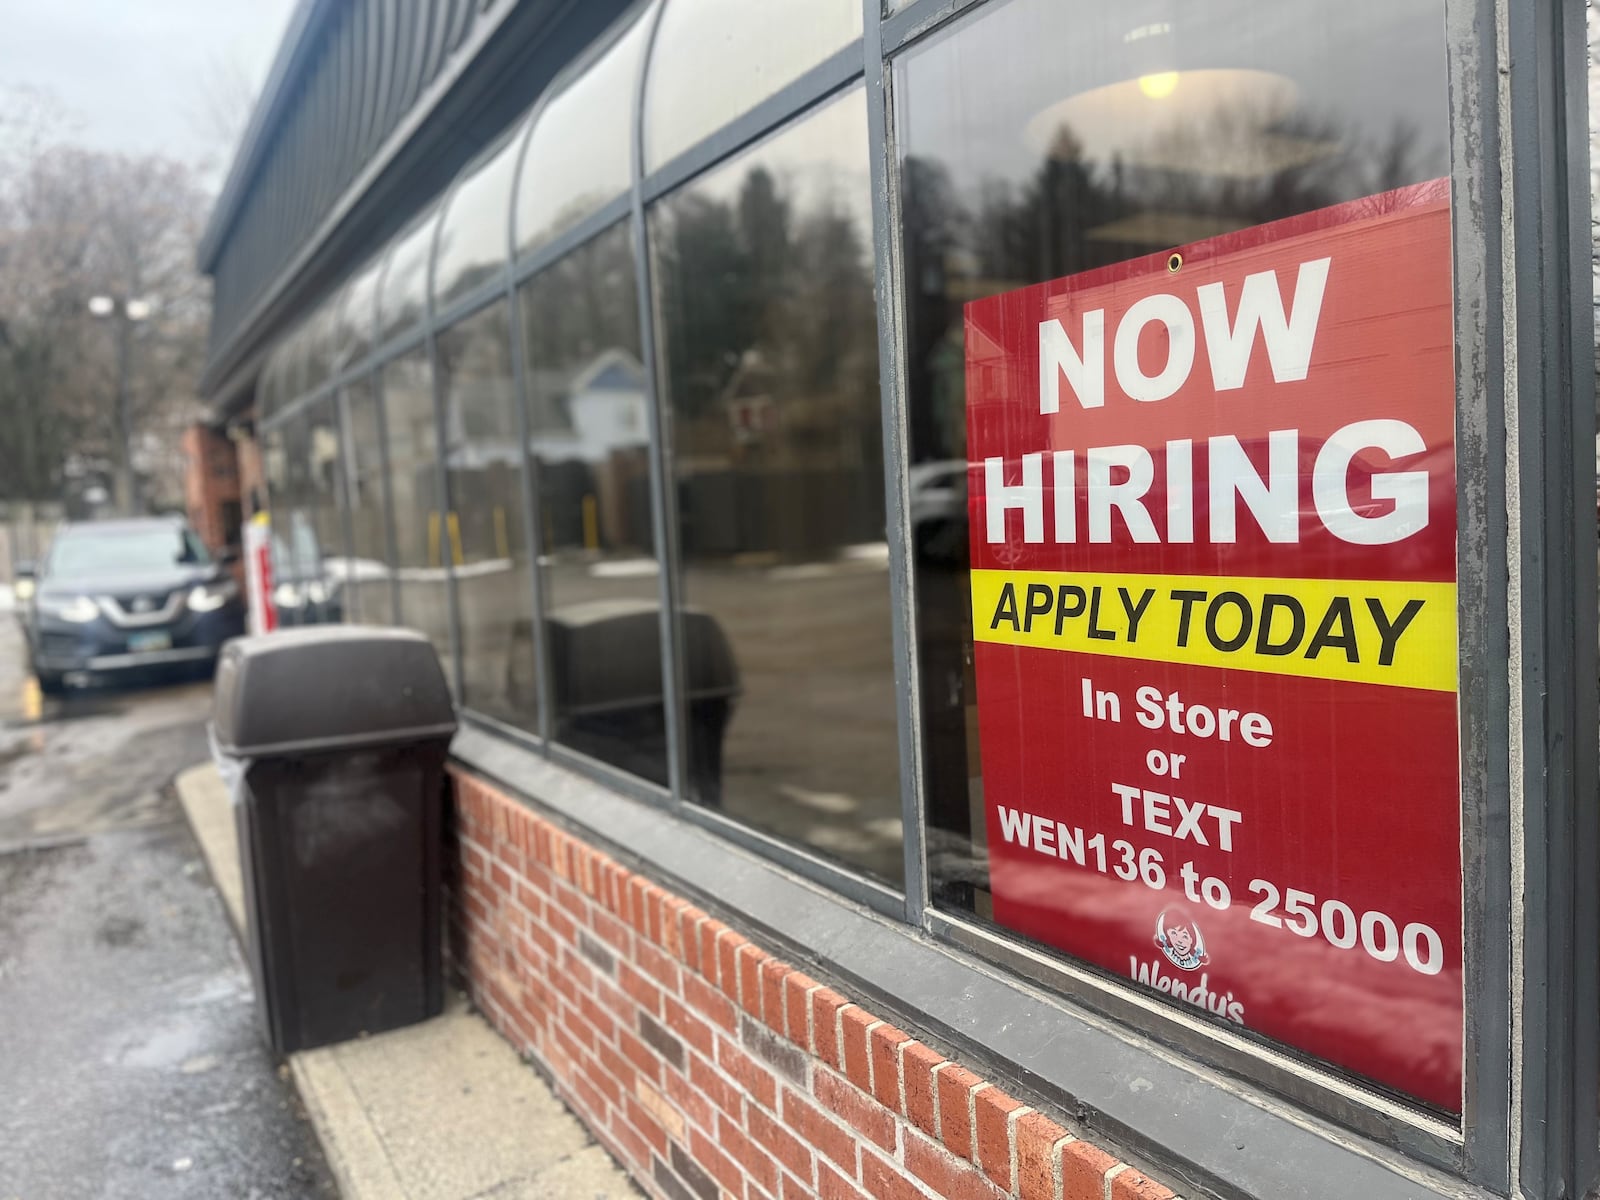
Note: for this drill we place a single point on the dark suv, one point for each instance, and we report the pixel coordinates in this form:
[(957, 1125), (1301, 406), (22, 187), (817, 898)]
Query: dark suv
[(113, 597)]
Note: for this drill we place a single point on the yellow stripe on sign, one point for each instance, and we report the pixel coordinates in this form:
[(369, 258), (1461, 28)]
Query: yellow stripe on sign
[(1403, 634)]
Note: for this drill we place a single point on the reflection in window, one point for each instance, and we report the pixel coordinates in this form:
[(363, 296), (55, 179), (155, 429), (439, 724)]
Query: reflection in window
[(771, 366), (293, 551), (420, 528), (590, 432), (714, 60), (275, 473), (489, 547), (356, 315), (580, 154), (283, 379), (326, 566), (371, 583), (475, 231), (303, 492), (269, 385), (321, 332), (403, 294), (1114, 137)]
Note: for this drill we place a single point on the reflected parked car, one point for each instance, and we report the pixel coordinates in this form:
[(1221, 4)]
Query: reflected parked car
[(938, 494), (117, 597)]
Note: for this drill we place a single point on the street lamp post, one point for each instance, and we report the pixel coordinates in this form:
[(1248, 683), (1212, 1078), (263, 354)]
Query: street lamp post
[(126, 312)]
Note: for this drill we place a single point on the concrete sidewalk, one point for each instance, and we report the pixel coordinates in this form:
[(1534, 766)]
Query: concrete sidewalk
[(444, 1110)]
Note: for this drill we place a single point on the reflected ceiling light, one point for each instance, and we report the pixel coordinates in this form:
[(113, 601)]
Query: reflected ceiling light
[(1216, 121), (1160, 85)]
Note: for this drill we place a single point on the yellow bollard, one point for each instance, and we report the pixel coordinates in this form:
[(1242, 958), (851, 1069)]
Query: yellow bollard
[(591, 524), (455, 539)]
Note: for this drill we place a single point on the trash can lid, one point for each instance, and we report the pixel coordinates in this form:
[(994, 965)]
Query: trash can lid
[(328, 686)]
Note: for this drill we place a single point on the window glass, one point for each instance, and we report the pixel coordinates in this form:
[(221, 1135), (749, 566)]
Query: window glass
[(475, 233), (274, 465), (411, 438), (295, 559), (371, 582), (321, 331), (484, 459), (1083, 146), (590, 432), (403, 294), (328, 568), (771, 369), (714, 60), (353, 341), (283, 377), (86, 551), (297, 348), (269, 386), (580, 154)]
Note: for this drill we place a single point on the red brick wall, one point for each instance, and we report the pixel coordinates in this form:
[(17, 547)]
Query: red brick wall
[(210, 479), (712, 1069)]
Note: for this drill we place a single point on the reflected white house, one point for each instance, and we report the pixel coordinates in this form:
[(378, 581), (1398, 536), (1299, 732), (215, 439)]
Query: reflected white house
[(605, 408)]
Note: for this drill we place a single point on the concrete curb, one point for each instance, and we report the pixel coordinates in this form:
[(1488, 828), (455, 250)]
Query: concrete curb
[(444, 1110)]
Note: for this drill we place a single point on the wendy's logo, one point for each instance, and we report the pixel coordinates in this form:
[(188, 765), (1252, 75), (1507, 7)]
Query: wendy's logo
[(1182, 943)]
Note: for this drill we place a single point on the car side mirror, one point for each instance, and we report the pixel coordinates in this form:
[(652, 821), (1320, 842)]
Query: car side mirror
[(24, 568)]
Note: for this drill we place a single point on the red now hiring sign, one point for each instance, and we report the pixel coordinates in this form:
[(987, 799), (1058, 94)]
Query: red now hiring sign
[(1213, 528)]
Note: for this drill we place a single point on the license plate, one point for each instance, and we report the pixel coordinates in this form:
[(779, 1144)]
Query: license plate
[(143, 643)]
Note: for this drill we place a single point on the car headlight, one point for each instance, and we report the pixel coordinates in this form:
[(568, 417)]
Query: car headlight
[(208, 597), (23, 590), (317, 592), (286, 596), (80, 610)]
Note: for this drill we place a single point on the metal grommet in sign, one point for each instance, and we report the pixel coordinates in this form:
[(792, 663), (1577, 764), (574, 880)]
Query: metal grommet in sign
[(1174, 262)]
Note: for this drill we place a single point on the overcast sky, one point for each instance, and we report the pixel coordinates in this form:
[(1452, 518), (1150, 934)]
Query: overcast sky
[(145, 76)]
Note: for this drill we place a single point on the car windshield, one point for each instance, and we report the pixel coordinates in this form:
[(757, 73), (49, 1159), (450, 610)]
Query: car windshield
[(123, 551)]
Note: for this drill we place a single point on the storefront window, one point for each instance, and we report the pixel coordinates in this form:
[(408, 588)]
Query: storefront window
[(475, 231), (769, 346), (489, 547), (356, 315), (290, 377), (422, 535), (590, 427), (321, 333), (294, 553), (371, 583), (714, 60), (327, 564), (403, 294), (275, 466), (580, 153), (1224, 175)]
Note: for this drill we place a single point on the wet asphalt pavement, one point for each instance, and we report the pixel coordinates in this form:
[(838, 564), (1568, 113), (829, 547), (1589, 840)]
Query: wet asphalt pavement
[(130, 1061)]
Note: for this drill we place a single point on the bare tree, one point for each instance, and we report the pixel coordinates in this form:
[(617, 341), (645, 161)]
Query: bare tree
[(75, 224)]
